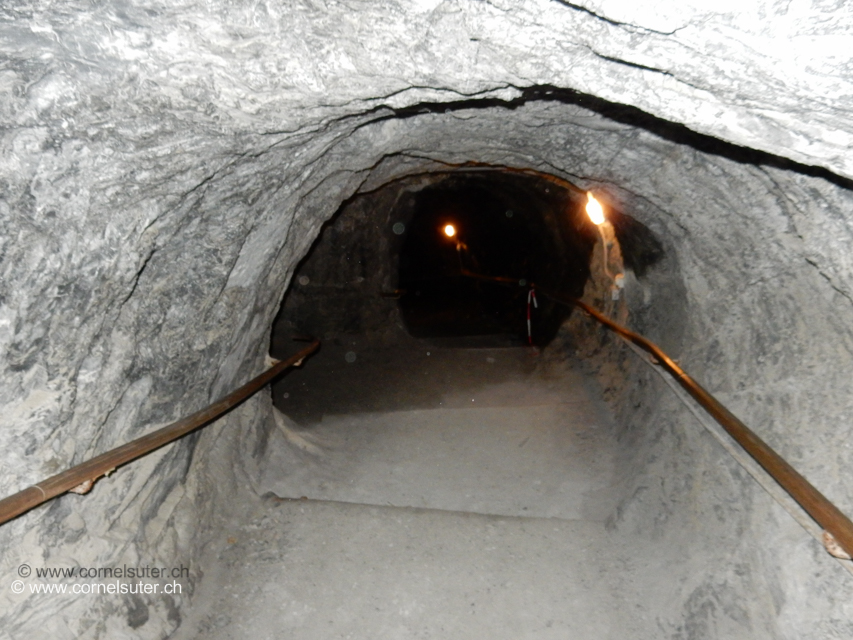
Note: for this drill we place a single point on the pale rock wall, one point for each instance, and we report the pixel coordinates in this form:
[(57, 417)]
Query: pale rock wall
[(165, 166)]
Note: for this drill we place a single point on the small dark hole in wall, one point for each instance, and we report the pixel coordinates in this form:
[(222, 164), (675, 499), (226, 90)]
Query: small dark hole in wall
[(137, 611)]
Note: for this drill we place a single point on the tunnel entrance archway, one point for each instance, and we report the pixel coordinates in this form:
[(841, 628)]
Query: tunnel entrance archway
[(358, 277), (504, 224), (347, 289)]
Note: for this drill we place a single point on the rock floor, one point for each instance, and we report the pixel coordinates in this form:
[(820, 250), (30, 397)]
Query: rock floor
[(479, 517)]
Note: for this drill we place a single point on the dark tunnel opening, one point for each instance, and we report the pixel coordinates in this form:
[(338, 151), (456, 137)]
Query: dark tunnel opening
[(385, 260), (383, 285), (503, 225)]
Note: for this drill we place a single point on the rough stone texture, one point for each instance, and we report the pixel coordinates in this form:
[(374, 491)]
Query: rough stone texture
[(767, 74), (165, 166)]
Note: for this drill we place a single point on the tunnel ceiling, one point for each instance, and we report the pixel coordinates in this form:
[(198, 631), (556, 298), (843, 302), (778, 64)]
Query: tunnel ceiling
[(766, 74)]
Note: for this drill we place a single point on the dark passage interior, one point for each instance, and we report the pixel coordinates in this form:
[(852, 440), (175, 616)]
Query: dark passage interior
[(512, 226), (389, 290), (392, 244)]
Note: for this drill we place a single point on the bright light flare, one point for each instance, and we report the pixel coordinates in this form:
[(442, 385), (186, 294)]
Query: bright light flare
[(594, 210), (450, 231)]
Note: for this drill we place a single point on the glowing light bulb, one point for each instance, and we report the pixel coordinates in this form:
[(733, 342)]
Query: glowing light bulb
[(450, 231), (594, 210)]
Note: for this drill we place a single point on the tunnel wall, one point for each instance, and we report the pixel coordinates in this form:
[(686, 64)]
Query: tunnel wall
[(164, 170), (341, 282)]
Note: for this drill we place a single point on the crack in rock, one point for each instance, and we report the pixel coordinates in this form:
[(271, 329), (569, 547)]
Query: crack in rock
[(616, 23)]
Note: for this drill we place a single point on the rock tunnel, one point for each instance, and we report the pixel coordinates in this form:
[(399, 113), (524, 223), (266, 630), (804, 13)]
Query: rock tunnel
[(167, 171)]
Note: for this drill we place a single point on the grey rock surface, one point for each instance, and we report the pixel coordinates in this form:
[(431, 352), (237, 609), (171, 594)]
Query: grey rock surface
[(165, 167), (333, 569)]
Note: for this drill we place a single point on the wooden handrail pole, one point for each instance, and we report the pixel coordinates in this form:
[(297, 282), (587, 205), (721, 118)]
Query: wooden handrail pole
[(98, 466)]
